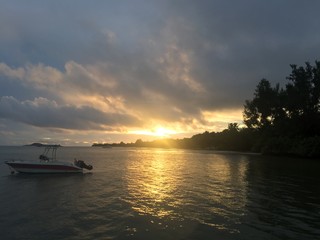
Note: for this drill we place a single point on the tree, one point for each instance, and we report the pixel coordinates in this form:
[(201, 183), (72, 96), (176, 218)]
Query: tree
[(139, 143), (293, 111), (233, 127), (263, 109), (302, 102)]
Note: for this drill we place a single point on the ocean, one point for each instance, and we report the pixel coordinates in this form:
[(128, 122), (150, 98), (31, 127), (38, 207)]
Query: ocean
[(140, 193)]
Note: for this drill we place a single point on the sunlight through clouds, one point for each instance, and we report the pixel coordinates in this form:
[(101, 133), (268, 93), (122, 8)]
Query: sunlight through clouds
[(223, 116), (156, 132)]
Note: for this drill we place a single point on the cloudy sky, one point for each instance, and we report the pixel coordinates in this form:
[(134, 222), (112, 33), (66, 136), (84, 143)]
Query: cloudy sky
[(76, 72)]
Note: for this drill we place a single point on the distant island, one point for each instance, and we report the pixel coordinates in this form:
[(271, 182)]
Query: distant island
[(42, 145), (279, 121)]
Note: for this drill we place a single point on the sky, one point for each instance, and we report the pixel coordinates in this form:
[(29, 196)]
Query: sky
[(77, 72)]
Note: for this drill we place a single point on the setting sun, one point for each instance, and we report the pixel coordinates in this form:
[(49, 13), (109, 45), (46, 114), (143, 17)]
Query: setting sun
[(156, 132), (162, 132)]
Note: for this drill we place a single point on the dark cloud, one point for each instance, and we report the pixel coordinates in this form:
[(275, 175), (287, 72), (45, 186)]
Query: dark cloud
[(44, 113)]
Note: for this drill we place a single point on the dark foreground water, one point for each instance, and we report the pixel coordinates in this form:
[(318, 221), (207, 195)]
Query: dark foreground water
[(162, 194)]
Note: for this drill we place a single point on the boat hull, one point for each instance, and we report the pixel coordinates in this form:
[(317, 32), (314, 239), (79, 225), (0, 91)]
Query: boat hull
[(43, 167)]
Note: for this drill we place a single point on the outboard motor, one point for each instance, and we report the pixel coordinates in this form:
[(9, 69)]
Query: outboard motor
[(82, 164)]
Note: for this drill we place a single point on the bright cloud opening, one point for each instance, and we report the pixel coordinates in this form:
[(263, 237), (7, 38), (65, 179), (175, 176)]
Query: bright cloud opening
[(156, 132)]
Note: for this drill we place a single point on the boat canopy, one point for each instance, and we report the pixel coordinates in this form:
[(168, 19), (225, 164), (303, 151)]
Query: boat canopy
[(49, 154)]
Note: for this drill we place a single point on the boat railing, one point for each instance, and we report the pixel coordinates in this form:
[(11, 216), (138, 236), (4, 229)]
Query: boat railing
[(49, 154)]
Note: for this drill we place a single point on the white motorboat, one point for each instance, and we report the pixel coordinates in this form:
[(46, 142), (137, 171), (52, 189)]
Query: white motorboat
[(47, 164)]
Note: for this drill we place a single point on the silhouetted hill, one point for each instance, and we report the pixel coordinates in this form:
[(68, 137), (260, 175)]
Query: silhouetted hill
[(42, 145)]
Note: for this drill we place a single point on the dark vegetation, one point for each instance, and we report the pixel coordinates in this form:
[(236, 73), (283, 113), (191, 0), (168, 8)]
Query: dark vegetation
[(280, 121)]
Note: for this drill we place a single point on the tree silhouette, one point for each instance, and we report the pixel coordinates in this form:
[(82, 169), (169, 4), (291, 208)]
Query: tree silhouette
[(293, 111), (303, 98), (262, 110)]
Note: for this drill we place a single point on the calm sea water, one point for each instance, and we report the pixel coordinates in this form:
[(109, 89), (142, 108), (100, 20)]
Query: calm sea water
[(161, 194)]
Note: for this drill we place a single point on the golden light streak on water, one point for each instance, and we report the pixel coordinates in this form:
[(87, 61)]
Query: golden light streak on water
[(158, 184)]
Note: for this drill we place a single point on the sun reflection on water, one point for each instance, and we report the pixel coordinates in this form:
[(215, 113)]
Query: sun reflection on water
[(210, 189), (151, 184)]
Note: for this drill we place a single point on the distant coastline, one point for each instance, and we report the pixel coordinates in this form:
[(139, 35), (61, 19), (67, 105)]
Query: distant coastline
[(242, 141), (42, 145)]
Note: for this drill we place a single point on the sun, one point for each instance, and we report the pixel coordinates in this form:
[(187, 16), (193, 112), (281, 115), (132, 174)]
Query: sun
[(162, 132), (156, 132)]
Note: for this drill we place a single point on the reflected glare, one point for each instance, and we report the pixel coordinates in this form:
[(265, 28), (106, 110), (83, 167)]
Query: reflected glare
[(199, 187), (151, 183)]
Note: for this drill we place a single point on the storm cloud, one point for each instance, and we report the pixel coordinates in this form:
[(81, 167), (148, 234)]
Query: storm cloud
[(121, 65)]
